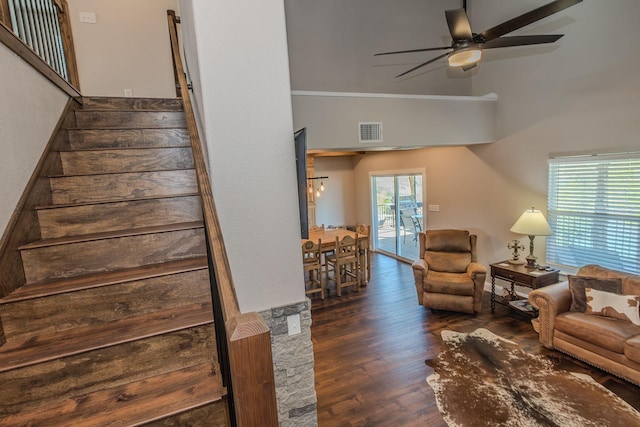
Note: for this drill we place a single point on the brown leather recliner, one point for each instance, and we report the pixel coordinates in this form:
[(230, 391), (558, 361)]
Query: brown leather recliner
[(448, 276)]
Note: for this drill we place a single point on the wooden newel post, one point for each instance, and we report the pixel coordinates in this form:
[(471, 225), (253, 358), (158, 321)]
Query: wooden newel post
[(250, 357)]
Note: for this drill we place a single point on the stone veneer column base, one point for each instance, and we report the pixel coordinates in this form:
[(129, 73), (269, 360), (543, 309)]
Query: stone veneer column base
[(293, 366)]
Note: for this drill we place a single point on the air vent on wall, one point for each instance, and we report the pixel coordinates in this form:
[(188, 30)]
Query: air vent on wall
[(370, 131)]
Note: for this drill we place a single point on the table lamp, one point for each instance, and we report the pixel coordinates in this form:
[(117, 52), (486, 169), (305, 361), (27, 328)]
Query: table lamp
[(532, 223)]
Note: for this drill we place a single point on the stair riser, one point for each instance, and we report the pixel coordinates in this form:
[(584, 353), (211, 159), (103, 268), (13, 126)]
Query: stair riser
[(112, 187), (58, 261), (103, 304), (127, 138), (129, 160), (130, 119), (105, 368), (98, 103), (213, 414), (77, 220)]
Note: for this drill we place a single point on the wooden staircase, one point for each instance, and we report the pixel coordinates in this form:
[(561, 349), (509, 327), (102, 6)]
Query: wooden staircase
[(113, 324)]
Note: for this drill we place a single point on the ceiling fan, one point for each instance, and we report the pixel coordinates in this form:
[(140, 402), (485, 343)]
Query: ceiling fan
[(466, 47)]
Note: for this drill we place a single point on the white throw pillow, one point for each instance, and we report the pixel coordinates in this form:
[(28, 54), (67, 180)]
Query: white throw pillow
[(622, 307)]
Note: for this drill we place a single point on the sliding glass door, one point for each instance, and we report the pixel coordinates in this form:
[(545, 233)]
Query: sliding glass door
[(397, 214)]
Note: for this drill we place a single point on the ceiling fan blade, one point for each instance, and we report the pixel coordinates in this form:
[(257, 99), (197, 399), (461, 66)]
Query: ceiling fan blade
[(413, 50), (423, 64), (524, 19), (520, 41), (458, 23)]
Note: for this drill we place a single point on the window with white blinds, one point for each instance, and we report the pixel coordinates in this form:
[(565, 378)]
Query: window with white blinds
[(594, 211)]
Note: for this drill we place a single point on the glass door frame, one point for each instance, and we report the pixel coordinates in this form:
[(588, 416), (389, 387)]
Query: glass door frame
[(374, 206)]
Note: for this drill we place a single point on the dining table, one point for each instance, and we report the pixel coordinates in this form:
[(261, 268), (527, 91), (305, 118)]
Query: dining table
[(328, 237)]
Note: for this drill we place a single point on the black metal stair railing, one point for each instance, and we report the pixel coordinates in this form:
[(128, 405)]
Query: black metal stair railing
[(36, 23), (43, 26)]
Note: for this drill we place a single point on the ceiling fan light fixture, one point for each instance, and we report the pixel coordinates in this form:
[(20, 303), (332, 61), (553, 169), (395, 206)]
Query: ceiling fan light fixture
[(465, 56)]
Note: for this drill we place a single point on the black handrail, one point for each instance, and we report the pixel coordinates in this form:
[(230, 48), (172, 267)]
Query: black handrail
[(221, 335)]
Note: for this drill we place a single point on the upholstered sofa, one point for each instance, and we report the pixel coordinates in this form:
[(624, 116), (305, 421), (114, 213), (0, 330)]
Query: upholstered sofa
[(610, 344), (447, 275)]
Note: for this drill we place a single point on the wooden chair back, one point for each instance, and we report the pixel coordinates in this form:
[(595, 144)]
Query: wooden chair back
[(346, 248), (363, 229), (312, 265), (344, 263), (311, 254)]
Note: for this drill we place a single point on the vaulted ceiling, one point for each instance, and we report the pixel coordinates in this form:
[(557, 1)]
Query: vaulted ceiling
[(332, 43)]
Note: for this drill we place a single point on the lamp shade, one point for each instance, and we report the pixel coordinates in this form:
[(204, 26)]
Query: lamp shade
[(532, 223)]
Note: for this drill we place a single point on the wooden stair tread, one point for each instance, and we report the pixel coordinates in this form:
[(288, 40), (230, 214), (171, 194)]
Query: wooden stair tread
[(127, 110), (102, 103), (118, 173), (120, 128), (41, 348), (131, 137), (122, 186), (128, 118), (89, 281), (70, 205), (130, 404), (84, 150), (111, 235), (92, 162)]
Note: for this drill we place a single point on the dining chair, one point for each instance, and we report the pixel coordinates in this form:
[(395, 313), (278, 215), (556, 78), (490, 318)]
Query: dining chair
[(364, 231), (343, 265), (312, 264)]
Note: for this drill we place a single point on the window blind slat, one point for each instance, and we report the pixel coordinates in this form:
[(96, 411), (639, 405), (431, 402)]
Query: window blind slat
[(594, 211)]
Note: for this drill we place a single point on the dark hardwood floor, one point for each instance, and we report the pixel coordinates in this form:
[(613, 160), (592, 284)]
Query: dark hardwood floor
[(370, 347)]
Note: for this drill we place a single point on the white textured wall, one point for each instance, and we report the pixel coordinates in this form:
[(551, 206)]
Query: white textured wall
[(332, 119), (337, 204), (128, 47), (246, 104), (581, 95), (29, 111), (471, 194)]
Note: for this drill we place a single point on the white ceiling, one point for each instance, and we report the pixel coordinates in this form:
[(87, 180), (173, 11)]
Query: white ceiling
[(332, 44)]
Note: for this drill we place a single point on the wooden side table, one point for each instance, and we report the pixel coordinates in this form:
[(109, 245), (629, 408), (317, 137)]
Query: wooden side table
[(519, 275)]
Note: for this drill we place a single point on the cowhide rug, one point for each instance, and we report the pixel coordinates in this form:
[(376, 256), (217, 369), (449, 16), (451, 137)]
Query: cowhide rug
[(482, 379)]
